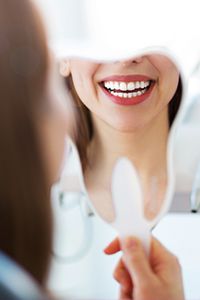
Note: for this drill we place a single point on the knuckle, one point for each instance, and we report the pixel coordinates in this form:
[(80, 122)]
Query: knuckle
[(135, 257)]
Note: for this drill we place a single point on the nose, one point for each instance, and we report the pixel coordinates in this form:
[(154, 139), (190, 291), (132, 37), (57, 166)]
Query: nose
[(128, 62)]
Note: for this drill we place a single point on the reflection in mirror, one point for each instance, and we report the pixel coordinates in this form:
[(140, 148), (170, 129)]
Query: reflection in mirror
[(125, 108)]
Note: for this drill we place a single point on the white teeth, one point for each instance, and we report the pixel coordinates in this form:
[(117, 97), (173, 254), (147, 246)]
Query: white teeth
[(131, 86), (128, 95), (111, 85), (126, 86), (123, 86), (116, 85), (107, 84), (137, 85), (142, 84), (127, 89)]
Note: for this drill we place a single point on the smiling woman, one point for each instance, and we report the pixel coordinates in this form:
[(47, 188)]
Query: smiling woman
[(126, 108)]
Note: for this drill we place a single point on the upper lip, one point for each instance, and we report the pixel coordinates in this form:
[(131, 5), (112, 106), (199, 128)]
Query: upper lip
[(128, 78)]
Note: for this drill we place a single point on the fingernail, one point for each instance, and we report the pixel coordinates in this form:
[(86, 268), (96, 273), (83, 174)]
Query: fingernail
[(105, 250)]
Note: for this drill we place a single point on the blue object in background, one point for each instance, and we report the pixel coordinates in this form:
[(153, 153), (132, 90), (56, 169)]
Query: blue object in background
[(15, 283)]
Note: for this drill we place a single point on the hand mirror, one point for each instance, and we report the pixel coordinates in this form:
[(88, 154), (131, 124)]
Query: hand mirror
[(127, 108), (127, 98)]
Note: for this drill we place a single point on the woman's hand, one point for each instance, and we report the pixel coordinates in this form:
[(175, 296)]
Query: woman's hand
[(141, 278)]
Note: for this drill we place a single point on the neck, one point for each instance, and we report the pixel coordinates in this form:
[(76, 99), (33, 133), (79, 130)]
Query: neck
[(145, 146)]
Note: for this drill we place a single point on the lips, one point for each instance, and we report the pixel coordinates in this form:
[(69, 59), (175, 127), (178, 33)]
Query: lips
[(127, 90)]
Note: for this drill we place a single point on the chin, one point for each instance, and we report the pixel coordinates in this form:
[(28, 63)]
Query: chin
[(127, 127), (126, 123)]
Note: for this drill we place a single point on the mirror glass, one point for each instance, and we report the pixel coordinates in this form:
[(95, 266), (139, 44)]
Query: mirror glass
[(125, 109)]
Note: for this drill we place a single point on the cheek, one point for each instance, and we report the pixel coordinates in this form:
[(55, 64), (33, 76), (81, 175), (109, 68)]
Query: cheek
[(82, 71), (83, 75), (168, 76), (171, 84), (168, 81), (86, 90)]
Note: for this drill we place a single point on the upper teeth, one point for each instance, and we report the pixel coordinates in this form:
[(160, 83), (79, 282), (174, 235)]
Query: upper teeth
[(126, 86)]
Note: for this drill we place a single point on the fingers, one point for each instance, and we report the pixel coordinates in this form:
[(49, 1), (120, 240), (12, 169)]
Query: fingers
[(122, 276), (113, 247), (144, 277), (136, 261), (124, 294)]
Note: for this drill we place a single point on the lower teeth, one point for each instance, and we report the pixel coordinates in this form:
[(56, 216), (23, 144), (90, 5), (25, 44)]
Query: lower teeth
[(128, 95)]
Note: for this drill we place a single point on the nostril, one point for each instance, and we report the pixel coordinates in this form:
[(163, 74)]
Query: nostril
[(128, 62), (137, 60)]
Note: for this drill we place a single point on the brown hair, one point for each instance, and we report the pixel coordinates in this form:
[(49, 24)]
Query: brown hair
[(84, 122), (25, 212)]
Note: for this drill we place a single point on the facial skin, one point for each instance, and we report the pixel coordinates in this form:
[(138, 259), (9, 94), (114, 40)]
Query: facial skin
[(87, 76)]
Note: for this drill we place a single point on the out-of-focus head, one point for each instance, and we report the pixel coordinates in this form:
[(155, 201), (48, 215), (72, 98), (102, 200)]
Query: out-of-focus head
[(33, 124)]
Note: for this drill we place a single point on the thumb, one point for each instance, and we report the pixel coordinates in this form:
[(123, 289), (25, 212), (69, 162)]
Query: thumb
[(136, 260)]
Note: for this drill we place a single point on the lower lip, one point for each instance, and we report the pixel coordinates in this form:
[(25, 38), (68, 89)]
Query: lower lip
[(129, 101)]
